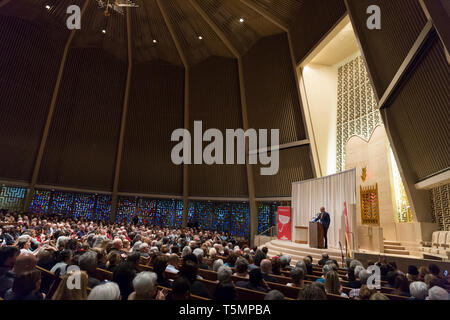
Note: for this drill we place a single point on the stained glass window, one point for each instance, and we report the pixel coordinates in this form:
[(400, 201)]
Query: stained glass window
[(240, 215), (103, 207), (84, 206), (126, 210), (40, 202), (62, 203), (267, 216)]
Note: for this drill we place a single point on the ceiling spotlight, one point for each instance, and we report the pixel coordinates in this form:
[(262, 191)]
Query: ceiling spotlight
[(47, 7), (103, 31), (154, 41), (200, 38), (241, 20)]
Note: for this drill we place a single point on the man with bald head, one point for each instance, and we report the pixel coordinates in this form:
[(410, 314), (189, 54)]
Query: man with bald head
[(324, 219)]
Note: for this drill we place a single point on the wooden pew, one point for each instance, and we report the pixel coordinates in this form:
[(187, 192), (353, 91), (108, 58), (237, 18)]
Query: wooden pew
[(247, 294), (50, 282), (102, 275), (290, 292), (192, 296)]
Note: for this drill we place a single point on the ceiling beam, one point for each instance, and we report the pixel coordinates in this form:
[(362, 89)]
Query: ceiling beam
[(123, 124), (173, 34), (40, 155), (216, 29), (184, 59), (308, 126), (266, 14), (249, 168), (403, 70)]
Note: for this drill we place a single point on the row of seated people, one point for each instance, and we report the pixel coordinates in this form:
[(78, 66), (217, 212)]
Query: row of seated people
[(187, 281), (206, 260)]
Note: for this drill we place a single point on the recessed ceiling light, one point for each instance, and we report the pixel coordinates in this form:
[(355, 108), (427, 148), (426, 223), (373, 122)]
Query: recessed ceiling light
[(154, 41), (200, 38), (47, 7), (103, 31), (241, 20)]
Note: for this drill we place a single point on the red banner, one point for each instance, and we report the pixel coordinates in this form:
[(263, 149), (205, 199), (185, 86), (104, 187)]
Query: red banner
[(284, 223)]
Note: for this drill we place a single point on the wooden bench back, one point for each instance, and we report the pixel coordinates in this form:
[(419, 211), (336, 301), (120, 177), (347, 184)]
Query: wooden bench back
[(49, 282)]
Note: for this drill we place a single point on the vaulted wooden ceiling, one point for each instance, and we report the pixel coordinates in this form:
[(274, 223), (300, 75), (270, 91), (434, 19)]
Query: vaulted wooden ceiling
[(242, 22)]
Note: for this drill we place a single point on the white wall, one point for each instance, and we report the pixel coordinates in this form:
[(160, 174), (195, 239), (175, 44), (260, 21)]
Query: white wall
[(320, 101)]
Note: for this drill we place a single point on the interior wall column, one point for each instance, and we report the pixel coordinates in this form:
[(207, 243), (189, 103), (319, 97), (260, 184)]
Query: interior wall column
[(309, 130), (186, 106), (253, 219), (123, 124), (51, 111)]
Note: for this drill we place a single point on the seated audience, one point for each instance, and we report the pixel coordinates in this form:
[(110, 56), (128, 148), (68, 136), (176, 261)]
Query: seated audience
[(312, 291), (324, 259), (189, 270), (378, 296), (241, 268), (64, 259), (172, 263), (285, 261), (146, 287), (333, 284), (438, 293), (413, 274), (123, 276), (276, 266), (256, 282), (297, 276), (274, 295), (418, 290), (105, 291), (88, 262), (113, 261), (26, 287), (181, 289), (73, 286), (266, 269), (23, 263)]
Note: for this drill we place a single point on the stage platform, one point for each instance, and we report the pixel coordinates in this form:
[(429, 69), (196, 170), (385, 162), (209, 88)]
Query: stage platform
[(299, 251)]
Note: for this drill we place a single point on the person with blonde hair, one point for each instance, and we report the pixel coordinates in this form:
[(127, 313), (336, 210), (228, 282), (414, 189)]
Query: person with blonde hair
[(67, 289), (378, 296)]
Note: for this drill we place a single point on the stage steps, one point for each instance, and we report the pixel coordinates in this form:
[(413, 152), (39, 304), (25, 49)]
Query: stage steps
[(298, 252), (395, 247)]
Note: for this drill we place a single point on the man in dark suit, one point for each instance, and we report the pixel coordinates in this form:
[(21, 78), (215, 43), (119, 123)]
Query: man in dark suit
[(324, 219)]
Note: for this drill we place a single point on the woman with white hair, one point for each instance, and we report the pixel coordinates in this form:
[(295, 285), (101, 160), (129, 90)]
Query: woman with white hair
[(186, 251), (438, 293), (418, 290), (217, 264), (146, 287), (106, 291), (224, 274)]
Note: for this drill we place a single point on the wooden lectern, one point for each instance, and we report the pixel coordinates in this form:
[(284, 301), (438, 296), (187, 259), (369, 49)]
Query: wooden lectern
[(316, 239)]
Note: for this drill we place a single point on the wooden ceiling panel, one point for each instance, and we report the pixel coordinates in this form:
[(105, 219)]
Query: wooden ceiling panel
[(189, 26), (54, 19), (285, 11), (114, 40), (148, 25), (227, 15)]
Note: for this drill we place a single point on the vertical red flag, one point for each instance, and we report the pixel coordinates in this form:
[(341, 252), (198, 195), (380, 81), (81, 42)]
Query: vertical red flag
[(284, 223), (347, 234)]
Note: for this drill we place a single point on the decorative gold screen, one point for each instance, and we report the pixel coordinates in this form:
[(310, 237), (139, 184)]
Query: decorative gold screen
[(369, 205)]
